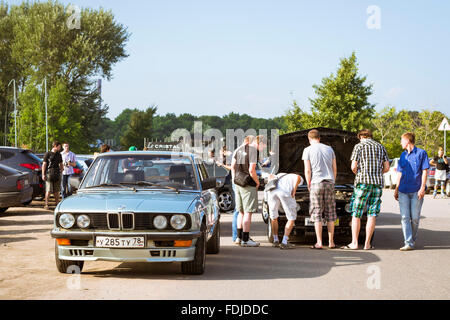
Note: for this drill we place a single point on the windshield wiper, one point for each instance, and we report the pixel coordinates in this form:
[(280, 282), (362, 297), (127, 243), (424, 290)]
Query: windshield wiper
[(146, 183), (110, 185)]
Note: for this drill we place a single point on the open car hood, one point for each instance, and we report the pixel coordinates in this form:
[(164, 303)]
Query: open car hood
[(291, 146)]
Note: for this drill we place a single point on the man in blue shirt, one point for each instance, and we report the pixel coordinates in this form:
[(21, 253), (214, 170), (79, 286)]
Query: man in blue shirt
[(411, 184)]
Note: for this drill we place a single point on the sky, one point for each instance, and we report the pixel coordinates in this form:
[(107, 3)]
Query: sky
[(256, 56)]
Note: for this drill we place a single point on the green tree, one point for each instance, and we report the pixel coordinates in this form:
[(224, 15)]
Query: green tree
[(387, 126), (38, 43), (140, 127), (342, 101)]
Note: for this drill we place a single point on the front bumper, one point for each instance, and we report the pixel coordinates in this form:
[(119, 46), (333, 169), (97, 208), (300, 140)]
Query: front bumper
[(171, 254), (90, 235), (150, 253)]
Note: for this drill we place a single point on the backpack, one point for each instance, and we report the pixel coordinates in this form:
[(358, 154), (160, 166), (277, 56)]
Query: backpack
[(273, 184)]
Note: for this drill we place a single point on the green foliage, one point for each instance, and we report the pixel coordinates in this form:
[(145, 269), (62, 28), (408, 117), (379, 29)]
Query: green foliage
[(341, 102), (390, 125), (164, 125), (139, 127), (35, 42)]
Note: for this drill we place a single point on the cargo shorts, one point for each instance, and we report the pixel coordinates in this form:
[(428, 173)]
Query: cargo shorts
[(53, 187), (322, 202), (246, 199)]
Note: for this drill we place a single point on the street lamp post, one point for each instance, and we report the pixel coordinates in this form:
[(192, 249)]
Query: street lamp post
[(15, 111), (46, 119)]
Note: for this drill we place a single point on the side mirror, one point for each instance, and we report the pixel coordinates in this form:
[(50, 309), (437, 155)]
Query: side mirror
[(209, 183), (220, 182), (74, 182)]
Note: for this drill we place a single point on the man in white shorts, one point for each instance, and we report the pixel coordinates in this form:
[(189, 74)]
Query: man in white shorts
[(283, 194), (440, 175)]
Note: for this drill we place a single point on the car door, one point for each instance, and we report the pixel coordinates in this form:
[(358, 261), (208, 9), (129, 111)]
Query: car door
[(209, 199)]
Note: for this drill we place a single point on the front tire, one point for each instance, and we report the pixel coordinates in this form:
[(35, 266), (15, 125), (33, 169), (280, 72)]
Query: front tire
[(269, 232), (447, 189), (197, 266), (265, 212), (213, 245), (67, 266)]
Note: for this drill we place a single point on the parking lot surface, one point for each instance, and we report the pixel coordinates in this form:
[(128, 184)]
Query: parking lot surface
[(28, 271)]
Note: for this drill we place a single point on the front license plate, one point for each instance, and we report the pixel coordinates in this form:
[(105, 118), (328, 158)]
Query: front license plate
[(120, 242), (309, 223)]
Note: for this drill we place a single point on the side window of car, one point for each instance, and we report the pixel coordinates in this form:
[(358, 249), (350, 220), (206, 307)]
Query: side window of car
[(203, 173), (5, 155)]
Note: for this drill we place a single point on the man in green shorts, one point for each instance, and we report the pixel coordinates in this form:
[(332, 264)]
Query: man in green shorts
[(369, 162)]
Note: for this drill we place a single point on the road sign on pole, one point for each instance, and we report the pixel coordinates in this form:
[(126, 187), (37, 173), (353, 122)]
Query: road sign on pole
[(444, 127)]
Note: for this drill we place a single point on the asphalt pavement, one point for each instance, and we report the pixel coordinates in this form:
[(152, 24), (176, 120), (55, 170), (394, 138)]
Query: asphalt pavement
[(28, 271)]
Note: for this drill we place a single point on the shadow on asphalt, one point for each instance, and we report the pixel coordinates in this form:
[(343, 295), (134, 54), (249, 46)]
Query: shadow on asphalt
[(391, 219), (4, 241), (14, 232), (235, 263), (25, 213), (25, 223), (265, 262)]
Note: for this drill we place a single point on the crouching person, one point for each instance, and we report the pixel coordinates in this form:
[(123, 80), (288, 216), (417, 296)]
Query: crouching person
[(283, 194)]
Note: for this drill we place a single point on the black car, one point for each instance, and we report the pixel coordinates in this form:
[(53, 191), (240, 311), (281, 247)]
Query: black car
[(25, 161), (15, 189), (291, 148)]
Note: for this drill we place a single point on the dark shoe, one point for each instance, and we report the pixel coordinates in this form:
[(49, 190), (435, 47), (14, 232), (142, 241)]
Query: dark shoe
[(287, 246), (276, 244)]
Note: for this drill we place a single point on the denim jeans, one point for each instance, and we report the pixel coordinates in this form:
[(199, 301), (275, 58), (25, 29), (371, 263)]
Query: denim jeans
[(65, 186), (436, 185), (410, 207), (234, 223)]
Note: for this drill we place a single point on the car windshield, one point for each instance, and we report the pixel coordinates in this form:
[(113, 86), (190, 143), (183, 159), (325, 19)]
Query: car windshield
[(142, 172)]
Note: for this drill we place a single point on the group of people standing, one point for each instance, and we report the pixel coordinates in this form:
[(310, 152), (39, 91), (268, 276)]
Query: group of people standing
[(369, 161), (57, 167)]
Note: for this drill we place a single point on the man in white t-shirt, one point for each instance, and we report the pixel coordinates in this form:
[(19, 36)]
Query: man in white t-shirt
[(283, 194), (320, 174), (69, 162)]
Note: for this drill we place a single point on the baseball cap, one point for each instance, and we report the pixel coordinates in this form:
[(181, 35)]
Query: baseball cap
[(132, 148)]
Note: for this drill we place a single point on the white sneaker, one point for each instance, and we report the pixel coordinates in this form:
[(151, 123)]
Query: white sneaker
[(250, 243), (237, 241), (406, 248)]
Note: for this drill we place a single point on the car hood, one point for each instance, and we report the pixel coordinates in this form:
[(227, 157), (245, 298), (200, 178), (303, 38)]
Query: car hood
[(291, 146), (142, 201)]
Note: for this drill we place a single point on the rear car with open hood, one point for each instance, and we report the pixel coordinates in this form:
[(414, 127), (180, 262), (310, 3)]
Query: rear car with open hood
[(291, 148)]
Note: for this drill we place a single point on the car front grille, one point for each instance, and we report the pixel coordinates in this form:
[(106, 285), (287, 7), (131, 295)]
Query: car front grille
[(113, 221), (129, 221)]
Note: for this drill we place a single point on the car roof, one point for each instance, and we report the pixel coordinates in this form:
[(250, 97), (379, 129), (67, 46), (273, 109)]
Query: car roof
[(13, 149), (139, 153)]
